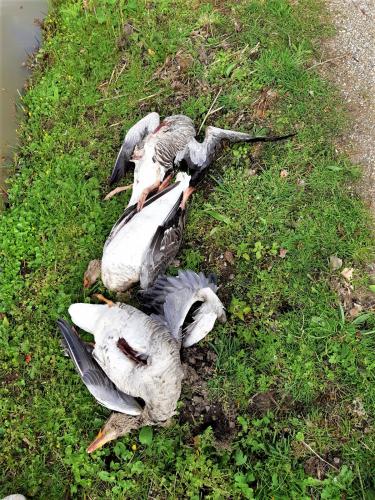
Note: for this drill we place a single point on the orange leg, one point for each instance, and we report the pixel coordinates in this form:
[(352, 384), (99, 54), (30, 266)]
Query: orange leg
[(101, 297), (187, 193), (145, 193), (165, 182), (117, 190)]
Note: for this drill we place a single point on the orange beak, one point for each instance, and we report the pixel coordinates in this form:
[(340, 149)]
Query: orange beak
[(101, 439)]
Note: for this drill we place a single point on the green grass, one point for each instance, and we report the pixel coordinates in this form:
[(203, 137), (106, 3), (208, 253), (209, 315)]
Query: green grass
[(286, 331)]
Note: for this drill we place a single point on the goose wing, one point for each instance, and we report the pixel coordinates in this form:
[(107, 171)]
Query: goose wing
[(171, 298), (96, 381), (131, 211), (199, 156), (164, 245), (134, 137)]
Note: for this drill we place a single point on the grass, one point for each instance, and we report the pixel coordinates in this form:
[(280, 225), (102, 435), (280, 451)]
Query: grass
[(293, 369)]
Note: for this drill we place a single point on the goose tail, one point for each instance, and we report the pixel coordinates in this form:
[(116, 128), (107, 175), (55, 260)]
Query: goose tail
[(86, 316)]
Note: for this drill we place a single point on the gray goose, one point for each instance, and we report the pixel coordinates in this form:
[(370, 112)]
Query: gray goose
[(155, 147), (138, 355), (142, 244)]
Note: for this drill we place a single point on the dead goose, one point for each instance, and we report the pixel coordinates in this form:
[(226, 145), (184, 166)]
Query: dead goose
[(154, 147), (137, 355), (141, 245)]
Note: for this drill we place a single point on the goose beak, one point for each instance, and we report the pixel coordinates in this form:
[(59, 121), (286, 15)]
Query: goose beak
[(101, 439)]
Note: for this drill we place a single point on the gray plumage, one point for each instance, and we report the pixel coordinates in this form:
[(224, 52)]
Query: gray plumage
[(199, 155), (96, 381), (139, 354), (171, 298), (164, 246)]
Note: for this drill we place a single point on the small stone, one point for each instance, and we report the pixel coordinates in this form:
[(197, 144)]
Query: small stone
[(251, 172), (229, 257), (347, 273), (282, 253), (232, 425), (231, 276), (336, 460), (335, 263)]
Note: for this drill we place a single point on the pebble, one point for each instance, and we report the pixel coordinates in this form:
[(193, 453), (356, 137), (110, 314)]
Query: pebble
[(335, 262), (350, 57)]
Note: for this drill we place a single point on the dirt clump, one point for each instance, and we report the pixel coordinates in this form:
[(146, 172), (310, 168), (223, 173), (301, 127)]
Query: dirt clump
[(315, 467), (198, 410)]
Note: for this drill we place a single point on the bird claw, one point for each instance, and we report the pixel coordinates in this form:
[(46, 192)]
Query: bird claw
[(101, 297), (117, 190)]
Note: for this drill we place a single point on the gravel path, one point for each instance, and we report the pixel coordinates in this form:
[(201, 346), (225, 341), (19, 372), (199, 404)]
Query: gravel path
[(353, 71)]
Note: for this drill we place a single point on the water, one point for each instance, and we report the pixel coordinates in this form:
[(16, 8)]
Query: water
[(19, 35)]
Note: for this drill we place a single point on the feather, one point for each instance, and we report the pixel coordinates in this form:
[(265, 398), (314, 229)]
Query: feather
[(133, 138), (198, 156), (126, 349), (131, 211), (164, 245), (171, 298), (96, 381)]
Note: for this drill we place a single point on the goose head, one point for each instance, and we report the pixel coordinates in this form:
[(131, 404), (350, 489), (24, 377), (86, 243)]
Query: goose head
[(116, 426), (92, 273)]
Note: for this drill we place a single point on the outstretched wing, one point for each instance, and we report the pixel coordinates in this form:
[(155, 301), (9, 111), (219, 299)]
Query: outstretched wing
[(134, 137), (171, 298), (199, 156), (164, 245), (96, 381)]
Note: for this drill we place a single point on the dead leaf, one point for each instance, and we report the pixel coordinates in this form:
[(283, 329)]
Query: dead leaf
[(347, 273), (264, 102), (26, 441), (128, 29), (284, 173), (335, 263), (283, 252), (202, 55), (184, 61), (229, 257), (197, 441), (237, 26), (355, 310)]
